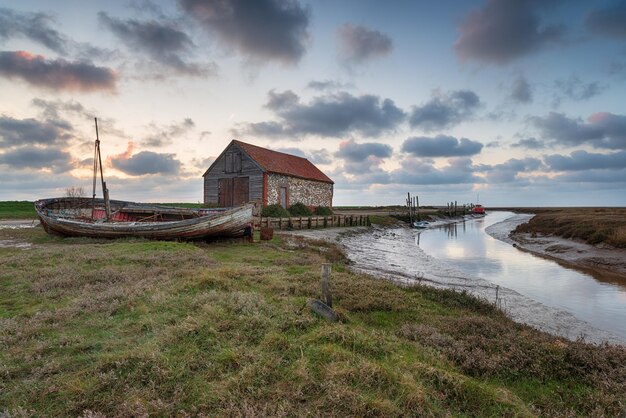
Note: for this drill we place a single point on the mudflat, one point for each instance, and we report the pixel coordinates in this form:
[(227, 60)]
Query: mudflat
[(590, 239)]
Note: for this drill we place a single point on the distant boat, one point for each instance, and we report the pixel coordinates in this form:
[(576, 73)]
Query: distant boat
[(478, 210), (420, 224), (86, 217)]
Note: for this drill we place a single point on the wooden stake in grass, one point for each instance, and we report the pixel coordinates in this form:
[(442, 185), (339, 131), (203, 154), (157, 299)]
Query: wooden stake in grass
[(327, 298), (497, 291)]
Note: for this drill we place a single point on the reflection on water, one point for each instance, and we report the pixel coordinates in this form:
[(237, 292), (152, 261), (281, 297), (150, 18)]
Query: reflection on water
[(469, 248)]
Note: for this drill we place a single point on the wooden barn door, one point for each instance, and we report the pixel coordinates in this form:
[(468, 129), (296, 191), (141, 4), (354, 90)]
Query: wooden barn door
[(233, 191), (225, 192), (241, 190)]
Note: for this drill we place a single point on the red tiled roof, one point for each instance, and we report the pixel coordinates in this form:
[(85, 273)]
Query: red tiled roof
[(281, 163)]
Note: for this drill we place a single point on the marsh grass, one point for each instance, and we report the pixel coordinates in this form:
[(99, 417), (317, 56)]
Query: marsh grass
[(17, 210), (131, 327), (592, 225)]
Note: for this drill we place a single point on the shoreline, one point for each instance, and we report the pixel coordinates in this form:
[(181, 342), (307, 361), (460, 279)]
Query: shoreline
[(603, 263), (391, 253)]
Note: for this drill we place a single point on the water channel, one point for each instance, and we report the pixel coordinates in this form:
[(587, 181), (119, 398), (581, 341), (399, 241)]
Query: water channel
[(466, 247)]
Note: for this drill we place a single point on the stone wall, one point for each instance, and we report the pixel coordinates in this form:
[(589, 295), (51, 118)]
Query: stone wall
[(311, 193)]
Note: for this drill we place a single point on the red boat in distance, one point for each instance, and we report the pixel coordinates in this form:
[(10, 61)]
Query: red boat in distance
[(478, 210)]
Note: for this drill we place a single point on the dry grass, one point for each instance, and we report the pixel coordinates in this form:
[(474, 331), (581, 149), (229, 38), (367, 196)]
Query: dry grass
[(124, 328), (592, 225)]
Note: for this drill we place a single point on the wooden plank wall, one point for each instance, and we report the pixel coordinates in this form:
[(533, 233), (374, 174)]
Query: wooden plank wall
[(310, 222), (248, 169)]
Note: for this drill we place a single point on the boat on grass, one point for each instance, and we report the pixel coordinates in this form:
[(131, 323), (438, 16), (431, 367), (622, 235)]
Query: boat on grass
[(105, 218), (87, 217)]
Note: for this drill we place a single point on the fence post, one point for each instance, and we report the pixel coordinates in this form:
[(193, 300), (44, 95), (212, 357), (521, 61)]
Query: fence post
[(327, 297)]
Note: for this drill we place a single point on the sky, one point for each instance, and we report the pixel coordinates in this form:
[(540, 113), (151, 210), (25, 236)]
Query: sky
[(501, 102)]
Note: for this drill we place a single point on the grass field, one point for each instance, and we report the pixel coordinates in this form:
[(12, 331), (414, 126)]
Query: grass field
[(17, 210), (26, 210), (133, 327), (592, 225)]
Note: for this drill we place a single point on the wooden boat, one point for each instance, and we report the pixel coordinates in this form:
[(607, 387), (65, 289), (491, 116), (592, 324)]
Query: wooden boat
[(105, 218), (87, 217)]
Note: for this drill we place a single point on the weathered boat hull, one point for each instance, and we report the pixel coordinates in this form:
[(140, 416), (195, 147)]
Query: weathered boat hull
[(74, 217)]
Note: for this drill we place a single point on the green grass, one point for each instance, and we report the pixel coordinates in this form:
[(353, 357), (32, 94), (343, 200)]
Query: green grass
[(26, 210), (133, 327), (17, 210)]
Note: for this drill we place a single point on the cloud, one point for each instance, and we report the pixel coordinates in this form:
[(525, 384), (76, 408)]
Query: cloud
[(529, 143), (504, 30), (165, 135), (583, 160), (351, 151), (284, 100), (56, 74), (575, 89), (444, 110), (162, 41), (599, 178), (56, 109), (441, 146), (320, 156), (33, 26), (609, 22), (145, 162), (15, 132), (291, 151), (358, 44), (37, 158), (259, 29), (266, 129), (332, 115), (508, 172), (328, 85), (559, 127), (202, 163), (601, 130), (521, 91), (417, 171)]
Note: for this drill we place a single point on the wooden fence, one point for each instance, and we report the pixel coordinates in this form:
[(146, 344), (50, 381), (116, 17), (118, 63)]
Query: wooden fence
[(309, 222)]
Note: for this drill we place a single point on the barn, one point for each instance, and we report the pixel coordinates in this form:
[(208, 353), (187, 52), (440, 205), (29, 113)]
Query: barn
[(248, 173)]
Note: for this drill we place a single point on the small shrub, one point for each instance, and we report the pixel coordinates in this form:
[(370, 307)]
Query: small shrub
[(597, 237), (275, 211), (323, 211), (300, 209)]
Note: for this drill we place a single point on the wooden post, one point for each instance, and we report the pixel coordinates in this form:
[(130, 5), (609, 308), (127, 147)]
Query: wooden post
[(417, 206), (497, 291), (408, 206), (327, 298)]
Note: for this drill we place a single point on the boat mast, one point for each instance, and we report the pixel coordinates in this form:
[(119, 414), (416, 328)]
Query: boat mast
[(97, 162)]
